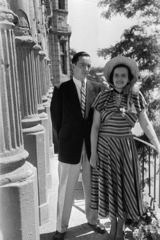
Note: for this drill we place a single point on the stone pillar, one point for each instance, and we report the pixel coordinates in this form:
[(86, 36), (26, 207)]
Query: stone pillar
[(45, 117), (43, 110), (33, 130), (48, 74), (37, 49), (68, 57), (50, 93), (57, 60), (49, 83), (43, 76), (18, 178)]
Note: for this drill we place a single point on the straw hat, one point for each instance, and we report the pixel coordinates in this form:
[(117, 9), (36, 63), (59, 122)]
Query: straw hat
[(126, 61)]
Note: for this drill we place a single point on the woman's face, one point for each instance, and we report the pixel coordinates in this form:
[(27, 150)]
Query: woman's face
[(120, 78)]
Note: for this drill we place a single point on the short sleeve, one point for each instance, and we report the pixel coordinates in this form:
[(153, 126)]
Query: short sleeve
[(100, 100), (139, 101)]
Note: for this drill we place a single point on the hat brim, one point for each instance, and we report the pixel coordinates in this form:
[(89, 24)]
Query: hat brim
[(121, 60)]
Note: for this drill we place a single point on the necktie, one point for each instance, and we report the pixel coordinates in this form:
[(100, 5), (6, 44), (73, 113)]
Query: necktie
[(83, 98)]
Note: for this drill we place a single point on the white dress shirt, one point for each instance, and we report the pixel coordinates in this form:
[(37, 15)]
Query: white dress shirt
[(78, 84)]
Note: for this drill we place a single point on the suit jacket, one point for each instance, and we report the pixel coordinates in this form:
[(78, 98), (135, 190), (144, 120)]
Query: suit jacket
[(71, 128)]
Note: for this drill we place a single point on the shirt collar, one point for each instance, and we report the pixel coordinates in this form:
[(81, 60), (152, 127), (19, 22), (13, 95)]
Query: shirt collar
[(78, 82)]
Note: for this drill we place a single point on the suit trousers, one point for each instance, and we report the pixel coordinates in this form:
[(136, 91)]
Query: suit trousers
[(68, 178)]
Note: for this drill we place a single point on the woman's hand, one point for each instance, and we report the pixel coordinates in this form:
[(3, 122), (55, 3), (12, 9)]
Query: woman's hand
[(94, 161), (94, 139)]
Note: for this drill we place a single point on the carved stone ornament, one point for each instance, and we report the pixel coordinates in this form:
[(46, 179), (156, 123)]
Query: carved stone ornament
[(62, 23), (23, 27), (6, 14), (24, 40)]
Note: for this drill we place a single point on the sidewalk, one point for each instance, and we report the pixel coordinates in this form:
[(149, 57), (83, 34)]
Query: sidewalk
[(78, 227)]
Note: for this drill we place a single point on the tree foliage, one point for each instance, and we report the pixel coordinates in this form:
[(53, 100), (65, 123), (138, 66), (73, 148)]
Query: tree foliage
[(139, 43), (149, 83), (135, 43), (96, 74), (149, 9)]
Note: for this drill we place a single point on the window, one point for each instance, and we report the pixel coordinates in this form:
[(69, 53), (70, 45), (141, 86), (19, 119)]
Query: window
[(63, 57), (61, 4)]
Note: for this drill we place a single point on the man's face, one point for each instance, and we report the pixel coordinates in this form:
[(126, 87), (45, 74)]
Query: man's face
[(82, 68)]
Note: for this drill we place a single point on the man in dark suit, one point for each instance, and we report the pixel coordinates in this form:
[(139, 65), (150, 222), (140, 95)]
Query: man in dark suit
[(72, 115)]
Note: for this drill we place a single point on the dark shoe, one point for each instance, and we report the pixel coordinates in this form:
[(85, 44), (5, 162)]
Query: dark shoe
[(98, 228), (58, 236), (112, 237), (123, 236)]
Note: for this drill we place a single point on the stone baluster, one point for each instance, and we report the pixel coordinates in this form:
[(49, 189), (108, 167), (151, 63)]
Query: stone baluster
[(18, 177)]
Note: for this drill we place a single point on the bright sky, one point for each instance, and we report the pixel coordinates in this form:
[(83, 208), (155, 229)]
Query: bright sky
[(90, 31)]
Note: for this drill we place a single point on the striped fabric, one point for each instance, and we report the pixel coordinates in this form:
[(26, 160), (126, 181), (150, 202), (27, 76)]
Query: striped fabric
[(83, 98), (116, 186)]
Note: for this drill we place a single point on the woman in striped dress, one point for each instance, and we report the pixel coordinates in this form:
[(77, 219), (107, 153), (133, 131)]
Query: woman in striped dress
[(116, 190)]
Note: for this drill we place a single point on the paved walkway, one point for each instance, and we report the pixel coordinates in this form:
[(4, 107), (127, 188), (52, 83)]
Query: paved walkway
[(78, 228)]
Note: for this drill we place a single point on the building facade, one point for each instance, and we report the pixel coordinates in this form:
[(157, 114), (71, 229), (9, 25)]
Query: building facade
[(59, 42)]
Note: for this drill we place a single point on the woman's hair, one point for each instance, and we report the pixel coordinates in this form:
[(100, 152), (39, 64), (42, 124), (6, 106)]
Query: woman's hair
[(130, 75)]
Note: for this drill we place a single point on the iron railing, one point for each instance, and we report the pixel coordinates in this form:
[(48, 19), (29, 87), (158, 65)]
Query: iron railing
[(150, 171)]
